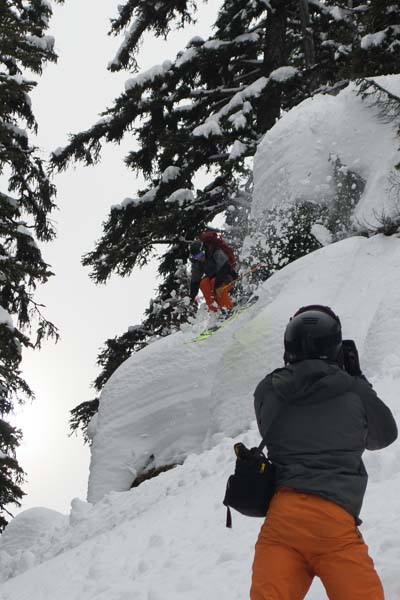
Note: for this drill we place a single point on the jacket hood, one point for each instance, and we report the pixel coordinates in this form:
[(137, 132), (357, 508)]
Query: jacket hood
[(308, 379)]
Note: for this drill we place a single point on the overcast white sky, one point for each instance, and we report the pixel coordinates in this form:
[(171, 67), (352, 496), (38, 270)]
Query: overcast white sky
[(68, 98)]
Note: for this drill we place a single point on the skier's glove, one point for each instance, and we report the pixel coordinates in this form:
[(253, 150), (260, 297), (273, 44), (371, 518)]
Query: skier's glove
[(350, 358)]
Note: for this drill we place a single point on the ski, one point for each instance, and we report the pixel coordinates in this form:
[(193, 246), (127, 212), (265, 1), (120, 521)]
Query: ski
[(204, 335)]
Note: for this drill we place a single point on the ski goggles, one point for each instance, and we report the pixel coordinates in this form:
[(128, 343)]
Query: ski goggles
[(199, 255)]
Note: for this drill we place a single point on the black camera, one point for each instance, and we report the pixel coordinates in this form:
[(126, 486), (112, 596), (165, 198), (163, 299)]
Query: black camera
[(349, 359)]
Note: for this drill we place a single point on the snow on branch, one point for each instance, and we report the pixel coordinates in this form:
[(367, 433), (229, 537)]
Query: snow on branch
[(212, 123), (373, 40), (45, 43), (247, 37), (148, 76), (238, 150), (209, 128), (181, 197), (18, 79), (148, 196), (283, 74), (334, 12), (238, 120), (186, 56), (17, 131), (215, 44), (133, 33), (170, 173)]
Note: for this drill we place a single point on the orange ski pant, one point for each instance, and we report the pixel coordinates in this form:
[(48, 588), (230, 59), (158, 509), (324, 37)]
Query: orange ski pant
[(304, 536), (215, 298)]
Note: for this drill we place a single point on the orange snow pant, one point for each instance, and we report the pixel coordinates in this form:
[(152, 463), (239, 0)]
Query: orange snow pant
[(216, 298), (304, 536)]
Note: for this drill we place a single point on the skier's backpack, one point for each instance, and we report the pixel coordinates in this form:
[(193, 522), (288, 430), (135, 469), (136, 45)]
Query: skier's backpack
[(212, 237)]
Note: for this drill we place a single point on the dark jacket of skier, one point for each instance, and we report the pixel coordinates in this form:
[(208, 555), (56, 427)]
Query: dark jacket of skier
[(325, 419), (215, 265)]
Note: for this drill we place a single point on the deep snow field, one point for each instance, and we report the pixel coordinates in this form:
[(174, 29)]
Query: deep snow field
[(179, 401)]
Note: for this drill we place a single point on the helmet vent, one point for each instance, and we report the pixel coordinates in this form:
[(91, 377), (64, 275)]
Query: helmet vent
[(310, 320)]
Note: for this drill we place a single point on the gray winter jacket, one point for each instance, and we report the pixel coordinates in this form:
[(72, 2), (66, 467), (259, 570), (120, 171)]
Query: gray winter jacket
[(317, 421)]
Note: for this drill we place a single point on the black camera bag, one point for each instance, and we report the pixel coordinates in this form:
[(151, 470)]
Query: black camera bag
[(250, 489)]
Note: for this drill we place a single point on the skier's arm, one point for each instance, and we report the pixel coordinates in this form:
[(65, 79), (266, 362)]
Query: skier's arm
[(194, 289), (197, 272), (382, 428)]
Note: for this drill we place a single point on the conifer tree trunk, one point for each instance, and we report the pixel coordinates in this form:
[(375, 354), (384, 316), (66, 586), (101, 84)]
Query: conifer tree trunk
[(275, 55), (309, 50)]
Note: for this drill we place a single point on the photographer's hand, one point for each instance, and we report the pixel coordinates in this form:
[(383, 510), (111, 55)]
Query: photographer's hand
[(351, 361)]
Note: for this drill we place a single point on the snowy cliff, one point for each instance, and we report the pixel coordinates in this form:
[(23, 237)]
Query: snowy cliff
[(176, 397)]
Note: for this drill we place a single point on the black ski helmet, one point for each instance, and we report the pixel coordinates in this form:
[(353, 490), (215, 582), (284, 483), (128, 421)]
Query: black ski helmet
[(196, 247), (313, 332)]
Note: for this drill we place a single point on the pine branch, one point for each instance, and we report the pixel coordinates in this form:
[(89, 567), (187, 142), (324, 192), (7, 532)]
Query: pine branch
[(255, 74), (146, 16), (387, 103), (365, 90)]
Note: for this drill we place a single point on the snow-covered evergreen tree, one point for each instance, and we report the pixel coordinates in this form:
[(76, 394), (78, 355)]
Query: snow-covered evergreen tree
[(355, 38), (380, 44), (26, 199)]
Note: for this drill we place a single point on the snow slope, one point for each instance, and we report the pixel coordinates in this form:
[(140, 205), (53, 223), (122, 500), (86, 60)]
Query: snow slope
[(177, 397), (26, 529), (166, 540)]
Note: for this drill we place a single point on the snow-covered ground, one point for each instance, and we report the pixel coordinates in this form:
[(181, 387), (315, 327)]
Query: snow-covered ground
[(179, 401), (166, 540)]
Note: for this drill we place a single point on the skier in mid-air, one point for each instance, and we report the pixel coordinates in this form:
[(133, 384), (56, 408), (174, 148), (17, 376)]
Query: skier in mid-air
[(212, 271), (323, 414)]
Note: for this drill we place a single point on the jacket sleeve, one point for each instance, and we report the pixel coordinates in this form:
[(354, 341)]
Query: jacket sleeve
[(382, 428), (197, 272), (266, 405)]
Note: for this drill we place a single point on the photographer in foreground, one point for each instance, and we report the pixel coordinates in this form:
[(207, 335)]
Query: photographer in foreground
[(320, 414)]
